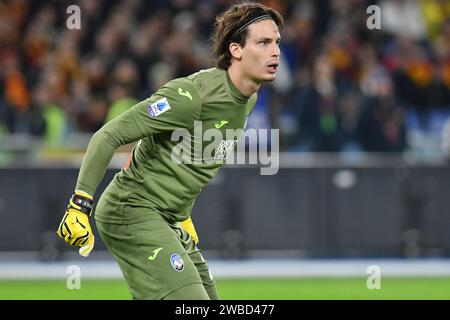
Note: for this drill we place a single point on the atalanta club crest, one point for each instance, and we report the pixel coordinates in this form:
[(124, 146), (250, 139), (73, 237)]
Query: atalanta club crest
[(177, 262)]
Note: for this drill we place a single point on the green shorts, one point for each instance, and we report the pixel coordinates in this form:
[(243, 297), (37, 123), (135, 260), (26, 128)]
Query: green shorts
[(155, 257)]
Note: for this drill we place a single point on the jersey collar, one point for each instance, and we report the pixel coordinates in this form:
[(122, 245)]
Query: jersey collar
[(235, 93)]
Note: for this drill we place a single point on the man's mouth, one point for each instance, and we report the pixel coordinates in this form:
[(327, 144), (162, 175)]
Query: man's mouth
[(273, 67)]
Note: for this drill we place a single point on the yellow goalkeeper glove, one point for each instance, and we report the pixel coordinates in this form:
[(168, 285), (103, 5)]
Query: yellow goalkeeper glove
[(74, 227), (189, 227)]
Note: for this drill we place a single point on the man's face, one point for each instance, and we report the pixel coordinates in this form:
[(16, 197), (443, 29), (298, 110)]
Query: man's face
[(261, 53)]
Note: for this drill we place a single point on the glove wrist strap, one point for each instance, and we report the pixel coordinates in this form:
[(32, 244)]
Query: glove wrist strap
[(81, 203)]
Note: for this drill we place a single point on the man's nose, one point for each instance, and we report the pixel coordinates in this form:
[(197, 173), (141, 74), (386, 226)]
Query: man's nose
[(276, 51)]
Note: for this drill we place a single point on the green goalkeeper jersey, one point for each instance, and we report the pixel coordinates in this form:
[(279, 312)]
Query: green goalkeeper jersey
[(183, 132)]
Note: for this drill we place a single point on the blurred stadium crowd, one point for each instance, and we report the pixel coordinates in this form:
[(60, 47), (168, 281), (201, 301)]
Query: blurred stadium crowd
[(341, 86)]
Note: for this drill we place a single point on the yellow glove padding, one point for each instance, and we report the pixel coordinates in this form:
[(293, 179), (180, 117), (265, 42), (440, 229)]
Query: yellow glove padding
[(75, 228), (189, 227)]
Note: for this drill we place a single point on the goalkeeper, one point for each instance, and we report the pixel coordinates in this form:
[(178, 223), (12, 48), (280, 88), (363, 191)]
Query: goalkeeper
[(143, 216)]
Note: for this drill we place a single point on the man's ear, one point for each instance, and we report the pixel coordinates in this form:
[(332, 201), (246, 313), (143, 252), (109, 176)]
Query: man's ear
[(235, 50)]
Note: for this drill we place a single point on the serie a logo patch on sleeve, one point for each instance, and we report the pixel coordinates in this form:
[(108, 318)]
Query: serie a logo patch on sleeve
[(158, 107)]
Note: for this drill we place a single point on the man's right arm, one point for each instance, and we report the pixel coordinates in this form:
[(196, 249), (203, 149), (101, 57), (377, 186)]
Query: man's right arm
[(176, 105)]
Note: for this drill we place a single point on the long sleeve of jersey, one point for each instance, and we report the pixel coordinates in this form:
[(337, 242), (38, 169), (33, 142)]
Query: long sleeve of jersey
[(175, 105)]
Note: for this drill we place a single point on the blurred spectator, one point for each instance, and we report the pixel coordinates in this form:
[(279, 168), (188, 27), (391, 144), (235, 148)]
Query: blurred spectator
[(381, 125), (350, 110), (319, 120), (124, 85), (54, 119), (16, 92), (435, 14)]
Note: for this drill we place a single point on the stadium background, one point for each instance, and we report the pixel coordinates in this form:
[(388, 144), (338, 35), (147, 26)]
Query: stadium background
[(364, 140)]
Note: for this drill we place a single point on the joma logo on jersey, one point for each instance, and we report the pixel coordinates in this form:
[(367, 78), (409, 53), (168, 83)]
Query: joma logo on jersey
[(185, 93), (211, 146)]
